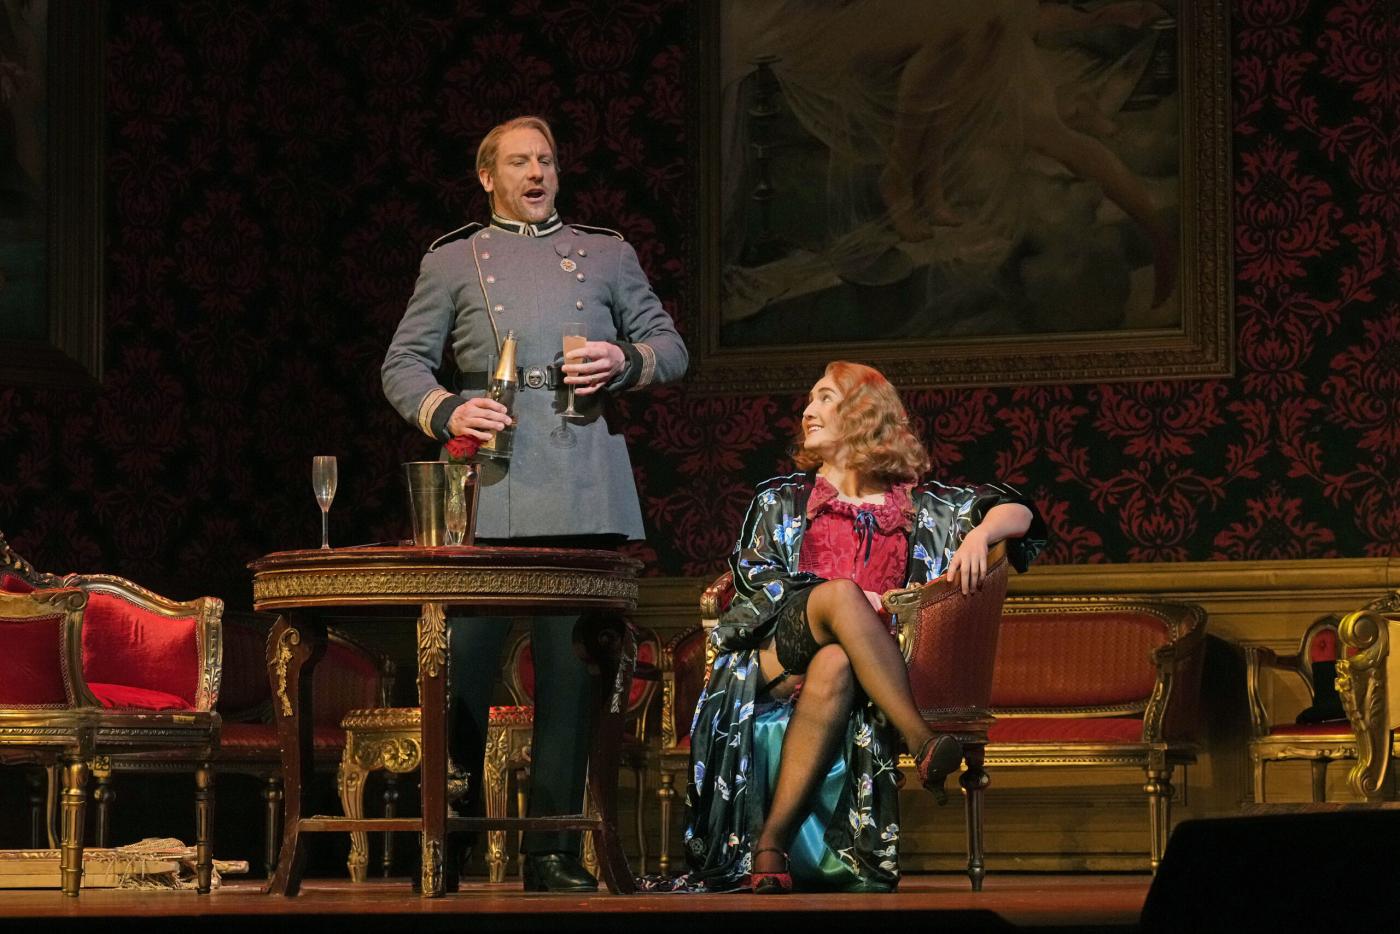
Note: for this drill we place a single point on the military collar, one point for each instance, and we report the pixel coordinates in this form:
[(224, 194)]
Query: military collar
[(543, 229)]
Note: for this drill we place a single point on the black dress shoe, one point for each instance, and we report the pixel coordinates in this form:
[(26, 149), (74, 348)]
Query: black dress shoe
[(557, 872)]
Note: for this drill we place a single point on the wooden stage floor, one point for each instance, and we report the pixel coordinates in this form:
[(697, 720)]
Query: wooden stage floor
[(1010, 902)]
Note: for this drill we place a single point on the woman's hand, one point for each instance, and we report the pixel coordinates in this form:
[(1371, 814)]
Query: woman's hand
[(874, 599), (969, 564)]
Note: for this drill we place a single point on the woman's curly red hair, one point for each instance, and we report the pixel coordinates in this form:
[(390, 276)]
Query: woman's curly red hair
[(874, 427)]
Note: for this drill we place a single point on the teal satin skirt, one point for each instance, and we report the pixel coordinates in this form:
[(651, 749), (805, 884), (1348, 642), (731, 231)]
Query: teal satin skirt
[(815, 867)]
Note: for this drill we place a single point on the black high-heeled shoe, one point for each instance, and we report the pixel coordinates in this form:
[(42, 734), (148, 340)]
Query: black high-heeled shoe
[(940, 757)]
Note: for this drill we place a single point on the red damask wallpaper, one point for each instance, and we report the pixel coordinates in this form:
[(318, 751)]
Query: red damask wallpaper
[(276, 169)]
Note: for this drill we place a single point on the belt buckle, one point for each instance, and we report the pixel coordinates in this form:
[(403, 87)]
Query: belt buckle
[(535, 377)]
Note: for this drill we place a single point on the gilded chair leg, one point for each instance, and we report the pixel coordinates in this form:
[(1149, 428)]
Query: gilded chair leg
[(590, 850), (494, 791), (665, 792), (51, 804), (38, 807), (350, 784), (974, 784), (1319, 780), (272, 818), (1159, 810), (639, 775), (75, 775), (204, 828), (102, 796), (391, 809), (1258, 781), (522, 801)]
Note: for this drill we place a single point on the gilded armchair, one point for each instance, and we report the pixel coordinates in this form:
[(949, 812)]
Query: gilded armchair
[(1368, 680), (349, 676), (510, 734), (1100, 682), (683, 673), (1323, 737), (58, 642), (949, 640)]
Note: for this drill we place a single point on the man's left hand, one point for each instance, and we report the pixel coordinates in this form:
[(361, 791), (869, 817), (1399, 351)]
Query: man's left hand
[(592, 366)]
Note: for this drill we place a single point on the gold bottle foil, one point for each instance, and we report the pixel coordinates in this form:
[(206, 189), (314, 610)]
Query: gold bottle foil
[(502, 389)]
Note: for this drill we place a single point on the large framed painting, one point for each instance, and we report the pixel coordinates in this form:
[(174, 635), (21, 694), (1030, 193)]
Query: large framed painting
[(51, 170), (998, 192)]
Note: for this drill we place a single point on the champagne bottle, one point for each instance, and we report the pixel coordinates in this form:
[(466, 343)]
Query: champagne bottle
[(502, 389)]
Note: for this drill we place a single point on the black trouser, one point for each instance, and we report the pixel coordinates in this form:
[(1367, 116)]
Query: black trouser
[(564, 703)]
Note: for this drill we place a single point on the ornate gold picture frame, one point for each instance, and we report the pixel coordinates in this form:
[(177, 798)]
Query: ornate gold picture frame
[(961, 194)]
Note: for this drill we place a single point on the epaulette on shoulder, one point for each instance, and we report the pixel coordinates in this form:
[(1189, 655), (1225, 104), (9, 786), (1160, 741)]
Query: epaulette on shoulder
[(598, 230), (459, 233)]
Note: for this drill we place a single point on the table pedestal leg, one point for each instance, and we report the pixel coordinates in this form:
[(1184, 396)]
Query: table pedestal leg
[(432, 698), (607, 643), (294, 646)]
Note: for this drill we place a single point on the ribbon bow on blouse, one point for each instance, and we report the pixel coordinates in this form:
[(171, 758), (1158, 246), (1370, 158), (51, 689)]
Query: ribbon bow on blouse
[(865, 530)]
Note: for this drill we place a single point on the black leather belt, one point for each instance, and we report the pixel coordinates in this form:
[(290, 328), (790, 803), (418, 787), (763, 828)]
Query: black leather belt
[(527, 377)]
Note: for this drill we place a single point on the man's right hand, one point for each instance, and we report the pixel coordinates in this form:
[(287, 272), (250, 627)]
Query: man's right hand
[(479, 418)]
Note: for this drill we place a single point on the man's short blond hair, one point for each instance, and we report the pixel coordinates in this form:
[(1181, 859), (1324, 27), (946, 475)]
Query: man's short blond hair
[(491, 142)]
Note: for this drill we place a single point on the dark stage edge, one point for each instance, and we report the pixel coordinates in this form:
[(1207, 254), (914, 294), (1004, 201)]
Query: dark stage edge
[(1011, 902)]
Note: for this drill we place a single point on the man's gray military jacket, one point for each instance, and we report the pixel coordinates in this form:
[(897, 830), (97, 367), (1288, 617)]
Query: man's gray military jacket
[(532, 282)]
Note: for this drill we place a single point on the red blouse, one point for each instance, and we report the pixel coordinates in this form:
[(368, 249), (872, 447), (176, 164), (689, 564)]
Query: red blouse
[(866, 542)]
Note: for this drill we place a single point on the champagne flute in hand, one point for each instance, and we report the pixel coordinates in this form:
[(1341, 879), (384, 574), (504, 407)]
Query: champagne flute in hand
[(574, 339), (563, 436), (323, 481)]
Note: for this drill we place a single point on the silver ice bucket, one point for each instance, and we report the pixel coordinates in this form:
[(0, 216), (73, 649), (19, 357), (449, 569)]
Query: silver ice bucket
[(442, 502)]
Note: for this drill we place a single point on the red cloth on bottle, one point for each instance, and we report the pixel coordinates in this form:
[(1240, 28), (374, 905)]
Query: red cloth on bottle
[(866, 542)]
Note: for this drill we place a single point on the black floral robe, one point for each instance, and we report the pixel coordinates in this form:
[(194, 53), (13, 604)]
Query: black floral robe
[(724, 808)]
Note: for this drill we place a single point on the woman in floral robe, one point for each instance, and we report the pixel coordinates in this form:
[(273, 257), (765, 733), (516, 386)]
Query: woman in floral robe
[(812, 773)]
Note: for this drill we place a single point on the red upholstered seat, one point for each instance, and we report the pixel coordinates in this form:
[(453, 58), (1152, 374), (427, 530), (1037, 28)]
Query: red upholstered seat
[(1066, 730), (243, 738), (1330, 728), (126, 697)]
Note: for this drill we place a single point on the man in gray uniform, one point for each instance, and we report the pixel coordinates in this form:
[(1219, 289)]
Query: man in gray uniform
[(569, 482)]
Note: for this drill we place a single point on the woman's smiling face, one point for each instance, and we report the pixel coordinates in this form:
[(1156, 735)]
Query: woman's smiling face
[(821, 420)]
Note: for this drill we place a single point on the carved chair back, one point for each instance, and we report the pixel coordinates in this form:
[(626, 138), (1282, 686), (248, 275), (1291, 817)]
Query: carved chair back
[(40, 640), (519, 676), (949, 640), (683, 673)]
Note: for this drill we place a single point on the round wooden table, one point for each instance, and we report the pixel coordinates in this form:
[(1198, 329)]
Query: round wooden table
[(471, 580)]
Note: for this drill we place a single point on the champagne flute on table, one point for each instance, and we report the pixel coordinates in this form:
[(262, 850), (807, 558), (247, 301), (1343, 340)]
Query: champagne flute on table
[(575, 337), (323, 481)]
